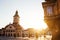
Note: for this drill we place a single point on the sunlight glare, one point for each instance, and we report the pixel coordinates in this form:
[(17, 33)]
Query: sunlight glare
[(33, 20), (42, 26)]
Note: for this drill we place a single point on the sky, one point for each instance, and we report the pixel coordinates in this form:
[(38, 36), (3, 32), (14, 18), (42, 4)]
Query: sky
[(30, 12)]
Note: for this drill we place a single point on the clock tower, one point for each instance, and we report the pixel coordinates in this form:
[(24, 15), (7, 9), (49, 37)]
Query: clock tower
[(16, 18)]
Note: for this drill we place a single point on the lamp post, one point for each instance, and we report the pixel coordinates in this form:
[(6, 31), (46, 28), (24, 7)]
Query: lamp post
[(44, 35), (36, 35)]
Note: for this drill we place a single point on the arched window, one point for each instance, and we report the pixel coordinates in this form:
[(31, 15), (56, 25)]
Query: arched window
[(0, 34), (11, 30), (14, 35), (49, 10), (9, 35)]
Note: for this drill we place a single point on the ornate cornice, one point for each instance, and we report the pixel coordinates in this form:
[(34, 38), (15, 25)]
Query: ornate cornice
[(51, 17)]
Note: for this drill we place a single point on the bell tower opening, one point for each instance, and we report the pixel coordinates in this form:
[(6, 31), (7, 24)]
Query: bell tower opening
[(16, 18)]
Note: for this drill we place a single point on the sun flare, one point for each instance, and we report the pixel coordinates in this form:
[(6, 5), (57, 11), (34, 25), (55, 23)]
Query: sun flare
[(42, 26), (33, 20)]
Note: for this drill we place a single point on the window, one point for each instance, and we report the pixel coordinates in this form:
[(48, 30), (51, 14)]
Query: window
[(10, 27), (14, 35), (8, 35), (49, 10), (11, 30)]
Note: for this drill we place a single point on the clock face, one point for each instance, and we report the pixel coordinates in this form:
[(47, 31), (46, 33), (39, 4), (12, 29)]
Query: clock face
[(49, 10)]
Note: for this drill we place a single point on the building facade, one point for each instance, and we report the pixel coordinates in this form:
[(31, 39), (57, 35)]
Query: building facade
[(15, 31), (52, 17)]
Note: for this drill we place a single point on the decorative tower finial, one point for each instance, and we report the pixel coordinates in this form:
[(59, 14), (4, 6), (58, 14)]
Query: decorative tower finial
[(16, 13), (16, 18)]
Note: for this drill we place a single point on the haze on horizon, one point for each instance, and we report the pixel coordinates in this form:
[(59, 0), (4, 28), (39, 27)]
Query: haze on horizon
[(30, 11)]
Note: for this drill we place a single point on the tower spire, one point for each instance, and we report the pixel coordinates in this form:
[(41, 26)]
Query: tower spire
[(16, 18), (16, 14)]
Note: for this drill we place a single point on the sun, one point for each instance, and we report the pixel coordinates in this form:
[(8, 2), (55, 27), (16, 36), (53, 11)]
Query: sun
[(42, 26), (35, 21)]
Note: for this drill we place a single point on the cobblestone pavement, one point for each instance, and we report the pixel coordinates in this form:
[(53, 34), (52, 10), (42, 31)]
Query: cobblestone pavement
[(26, 38)]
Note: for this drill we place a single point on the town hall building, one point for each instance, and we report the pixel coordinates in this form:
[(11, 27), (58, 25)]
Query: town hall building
[(15, 31)]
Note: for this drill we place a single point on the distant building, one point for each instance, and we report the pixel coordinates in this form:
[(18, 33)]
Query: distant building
[(31, 32), (25, 33), (15, 31)]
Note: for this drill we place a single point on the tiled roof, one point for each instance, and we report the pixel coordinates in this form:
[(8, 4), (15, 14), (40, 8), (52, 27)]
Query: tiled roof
[(17, 26)]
